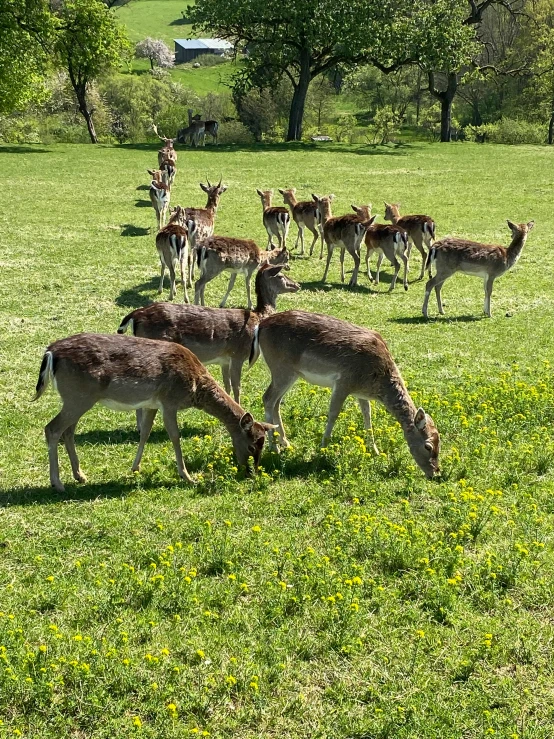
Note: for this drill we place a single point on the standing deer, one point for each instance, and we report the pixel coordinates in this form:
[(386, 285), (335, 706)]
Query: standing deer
[(126, 374), (345, 231), (168, 150), (420, 229), (204, 221), (172, 246), (276, 220), (351, 360), (212, 129), (239, 256), (198, 130), (451, 255), (305, 214), (221, 336), (168, 170), (159, 196), (387, 241)]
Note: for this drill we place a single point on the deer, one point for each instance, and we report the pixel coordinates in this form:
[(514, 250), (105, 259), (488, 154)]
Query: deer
[(126, 373), (488, 261), (420, 230), (238, 256), (160, 195), (212, 129), (220, 336), (345, 231), (204, 221), (172, 246), (168, 170), (305, 214), (276, 220), (387, 241), (168, 150), (350, 360), (197, 130)]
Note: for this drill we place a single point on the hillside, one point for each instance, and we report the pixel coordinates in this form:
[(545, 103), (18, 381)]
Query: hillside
[(162, 19)]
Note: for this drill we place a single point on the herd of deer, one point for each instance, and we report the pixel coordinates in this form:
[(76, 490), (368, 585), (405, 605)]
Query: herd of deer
[(162, 366)]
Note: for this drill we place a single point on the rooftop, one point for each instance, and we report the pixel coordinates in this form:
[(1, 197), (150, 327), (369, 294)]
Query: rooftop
[(203, 43)]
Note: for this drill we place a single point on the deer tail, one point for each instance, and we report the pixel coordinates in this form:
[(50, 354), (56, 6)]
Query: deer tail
[(46, 373)]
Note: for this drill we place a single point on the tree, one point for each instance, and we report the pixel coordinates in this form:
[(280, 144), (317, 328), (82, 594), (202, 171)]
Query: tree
[(303, 40), (25, 29), (155, 51), (88, 42)]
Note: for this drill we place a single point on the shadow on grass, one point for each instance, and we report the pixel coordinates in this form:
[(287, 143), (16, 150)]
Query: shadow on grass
[(143, 204), (127, 229), (311, 146), (73, 492), (411, 320), (24, 149), (134, 297), (143, 187), (318, 286), (130, 436)]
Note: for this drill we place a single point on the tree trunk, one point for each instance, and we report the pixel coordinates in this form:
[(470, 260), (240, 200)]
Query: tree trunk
[(446, 97), (551, 127), (446, 119), (296, 115), (81, 93)]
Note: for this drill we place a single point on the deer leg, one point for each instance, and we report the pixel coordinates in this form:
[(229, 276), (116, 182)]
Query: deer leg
[(365, 407), (404, 258), (247, 279), (69, 442), (226, 378), (315, 234), (380, 258), (162, 275), (438, 287), (338, 397), (199, 287), (431, 282), (172, 289), (421, 249), (489, 282), (53, 432), (356, 257), (229, 288), (183, 258), (300, 238), (329, 254), (146, 422), (270, 244), (170, 423), (396, 264), (236, 372), (272, 405), (321, 235), (342, 264)]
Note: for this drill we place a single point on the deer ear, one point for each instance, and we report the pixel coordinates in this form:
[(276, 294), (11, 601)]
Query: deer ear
[(260, 193), (420, 419), (512, 225), (281, 191), (355, 208), (203, 187), (246, 422), (530, 225), (315, 198), (150, 172), (332, 197), (273, 270), (268, 426)]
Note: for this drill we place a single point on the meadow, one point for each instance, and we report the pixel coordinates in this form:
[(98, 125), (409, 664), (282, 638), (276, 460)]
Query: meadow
[(338, 594)]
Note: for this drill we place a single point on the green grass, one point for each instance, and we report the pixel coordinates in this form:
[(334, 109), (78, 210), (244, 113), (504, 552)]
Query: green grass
[(337, 595), (155, 18)]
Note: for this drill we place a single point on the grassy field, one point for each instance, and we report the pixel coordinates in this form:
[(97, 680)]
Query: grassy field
[(338, 595)]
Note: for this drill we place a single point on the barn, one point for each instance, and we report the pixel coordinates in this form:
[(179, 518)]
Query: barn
[(187, 49)]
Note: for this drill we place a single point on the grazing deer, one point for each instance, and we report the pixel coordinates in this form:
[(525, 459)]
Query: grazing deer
[(172, 246), (487, 261), (168, 150), (221, 336), (204, 221), (212, 129), (276, 220), (159, 196), (350, 360), (198, 130), (305, 214), (387, 241), (420, 230), (238, 256), (346, 232), (126, 374)]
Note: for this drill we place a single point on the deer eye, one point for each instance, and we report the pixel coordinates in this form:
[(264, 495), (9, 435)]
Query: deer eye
[(429, 447)]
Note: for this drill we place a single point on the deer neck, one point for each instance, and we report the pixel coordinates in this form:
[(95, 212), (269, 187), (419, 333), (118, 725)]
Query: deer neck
[(398, 402), (291, 200), (394, 217), (266, 301), (515, 249), (266, 202), (326, 213), (214, 400)]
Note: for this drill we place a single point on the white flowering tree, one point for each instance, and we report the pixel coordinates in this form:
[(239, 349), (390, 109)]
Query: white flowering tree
[(156, 51)]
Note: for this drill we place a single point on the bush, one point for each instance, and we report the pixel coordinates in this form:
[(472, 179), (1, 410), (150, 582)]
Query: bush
[(210, 60), (507, 131), (235, 132)]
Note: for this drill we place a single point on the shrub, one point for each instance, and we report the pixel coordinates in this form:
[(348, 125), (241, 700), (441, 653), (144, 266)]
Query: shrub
[(235, 132), (210, 60), (507, 131)]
